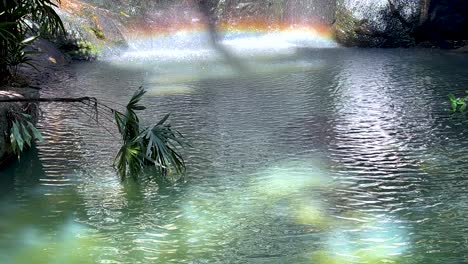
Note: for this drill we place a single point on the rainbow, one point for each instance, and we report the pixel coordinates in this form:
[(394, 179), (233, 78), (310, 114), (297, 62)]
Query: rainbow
[(143, 29), (184, 16)]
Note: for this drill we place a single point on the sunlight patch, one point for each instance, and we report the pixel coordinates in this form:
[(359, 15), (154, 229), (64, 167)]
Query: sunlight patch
[(168, 90), (290, 178)]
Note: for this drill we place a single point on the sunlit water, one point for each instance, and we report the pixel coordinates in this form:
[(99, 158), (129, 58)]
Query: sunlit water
[(302, 156)]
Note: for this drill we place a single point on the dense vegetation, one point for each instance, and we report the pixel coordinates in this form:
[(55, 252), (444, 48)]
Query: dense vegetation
[(21, 21)]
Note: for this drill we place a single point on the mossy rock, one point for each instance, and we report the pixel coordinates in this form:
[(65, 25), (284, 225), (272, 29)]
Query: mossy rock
[(88, 30), (348, 30)]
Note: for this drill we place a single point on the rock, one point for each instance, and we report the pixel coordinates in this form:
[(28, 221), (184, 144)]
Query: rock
[(90, 30), (350, 31), (462, 49), (448, 20), (445, 27), (277, 12)]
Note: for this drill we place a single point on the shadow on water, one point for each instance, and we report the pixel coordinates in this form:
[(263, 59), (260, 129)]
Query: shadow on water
[(22, 174), (41, 223)]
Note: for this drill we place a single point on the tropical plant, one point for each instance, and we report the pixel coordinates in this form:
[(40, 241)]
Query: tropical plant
[(154, 146), (20, 18), (157, 146), (22, 133), (17, 55), (458, 104)]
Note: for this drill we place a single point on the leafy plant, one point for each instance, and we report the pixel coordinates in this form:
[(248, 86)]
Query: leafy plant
[(154, 146), (33, 15), (458, 104), (80, 49), (20, 19), (23, 133), (18, 55)]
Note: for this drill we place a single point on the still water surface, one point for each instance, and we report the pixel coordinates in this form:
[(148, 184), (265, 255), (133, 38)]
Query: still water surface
[(311, 156)]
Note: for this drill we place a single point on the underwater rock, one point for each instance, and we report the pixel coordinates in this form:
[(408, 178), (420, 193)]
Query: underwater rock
[(283, 180), (73, 244), (376, 242), (313, 214)]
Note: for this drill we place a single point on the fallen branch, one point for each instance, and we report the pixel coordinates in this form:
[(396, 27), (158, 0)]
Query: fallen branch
[(91, 102), (57, 99)]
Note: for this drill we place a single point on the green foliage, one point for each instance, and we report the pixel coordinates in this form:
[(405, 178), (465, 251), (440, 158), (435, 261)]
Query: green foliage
[(80, 50), (76, 47), (18, 55), (20, 18), (98, 33), (458, 104), (154, 146), (23, 133)]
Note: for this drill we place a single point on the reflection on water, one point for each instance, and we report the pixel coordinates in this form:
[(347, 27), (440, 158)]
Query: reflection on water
[(321, 156)]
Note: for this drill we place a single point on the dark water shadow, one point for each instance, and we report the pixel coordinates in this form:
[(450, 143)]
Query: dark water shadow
[(25, 172)]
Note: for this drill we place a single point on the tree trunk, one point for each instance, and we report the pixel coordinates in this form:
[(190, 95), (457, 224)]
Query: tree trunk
[(4, 73), (424, 11), (5, 17), (3, 51)]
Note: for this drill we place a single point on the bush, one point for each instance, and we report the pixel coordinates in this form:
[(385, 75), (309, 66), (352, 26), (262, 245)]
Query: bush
[(78, 49)]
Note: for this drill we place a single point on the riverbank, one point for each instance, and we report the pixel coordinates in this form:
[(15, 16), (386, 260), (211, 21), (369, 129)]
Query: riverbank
[(51, 66)]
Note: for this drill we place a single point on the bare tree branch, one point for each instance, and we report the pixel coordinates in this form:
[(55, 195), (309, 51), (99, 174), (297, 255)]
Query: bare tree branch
[(57, 99), (424, 11)]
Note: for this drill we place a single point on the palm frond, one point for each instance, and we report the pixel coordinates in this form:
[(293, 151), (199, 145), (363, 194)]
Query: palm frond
[(157, 145)]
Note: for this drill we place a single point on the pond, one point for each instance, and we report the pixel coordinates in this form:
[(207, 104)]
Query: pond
[(306, 155)]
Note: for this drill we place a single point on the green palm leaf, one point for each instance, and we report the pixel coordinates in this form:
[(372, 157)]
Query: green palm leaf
[(157, 145)]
